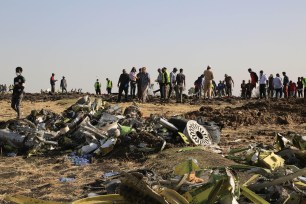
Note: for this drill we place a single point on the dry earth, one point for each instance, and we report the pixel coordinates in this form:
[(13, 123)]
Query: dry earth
[(39, 176)]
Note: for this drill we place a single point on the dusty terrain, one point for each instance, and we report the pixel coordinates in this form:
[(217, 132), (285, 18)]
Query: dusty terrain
[(244, 122)]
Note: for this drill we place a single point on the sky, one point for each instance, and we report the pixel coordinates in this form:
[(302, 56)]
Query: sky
[(85, 40)]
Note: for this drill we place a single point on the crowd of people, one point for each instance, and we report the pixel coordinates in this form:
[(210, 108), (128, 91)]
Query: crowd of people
[(5, 89), (273, 87), (168, 83), (175, 82), (269, 87)]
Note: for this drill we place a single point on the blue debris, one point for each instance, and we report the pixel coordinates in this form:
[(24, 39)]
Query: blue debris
[(110, 174), (80, 160), (64, 179), (11, 154)]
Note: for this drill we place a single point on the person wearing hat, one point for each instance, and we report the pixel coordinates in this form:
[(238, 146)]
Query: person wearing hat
[(63, 85), (172, 82), (18, 91), (52, 82)]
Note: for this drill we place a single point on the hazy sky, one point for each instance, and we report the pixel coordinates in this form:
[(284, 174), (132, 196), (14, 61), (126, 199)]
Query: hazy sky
[(84, 40)]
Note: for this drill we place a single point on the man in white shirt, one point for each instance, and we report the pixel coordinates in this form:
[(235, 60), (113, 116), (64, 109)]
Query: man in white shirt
[(262, 84)]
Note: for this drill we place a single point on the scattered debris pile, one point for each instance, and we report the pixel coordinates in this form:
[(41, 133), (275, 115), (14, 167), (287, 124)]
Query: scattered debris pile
[(94, 127), (262, 173)]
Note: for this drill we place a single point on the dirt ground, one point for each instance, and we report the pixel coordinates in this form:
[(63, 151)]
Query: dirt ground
[(244, 122)]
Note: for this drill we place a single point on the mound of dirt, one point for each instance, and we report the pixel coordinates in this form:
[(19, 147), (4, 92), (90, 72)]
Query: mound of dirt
[(282, 112), (164, 162)]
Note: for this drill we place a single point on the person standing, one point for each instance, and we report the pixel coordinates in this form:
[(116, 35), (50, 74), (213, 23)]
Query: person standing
[(299, 88), (243, 89), (270, 86), (286, 85), (159, 80), (133, 82), (109, 86), (303, 79), (249, 88), (63, 85), (123, 84), (229, 82), (166, 82), (220, 89), (292, 89), (138, 84), (254, 79), (277, 84), (172, 81), (262, 84), (52, 82), (97, 86), (180, 86), (208, 77), (145, 82), (18, 91)]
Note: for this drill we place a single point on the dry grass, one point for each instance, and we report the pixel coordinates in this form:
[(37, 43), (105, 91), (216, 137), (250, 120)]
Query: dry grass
[(7, 112)]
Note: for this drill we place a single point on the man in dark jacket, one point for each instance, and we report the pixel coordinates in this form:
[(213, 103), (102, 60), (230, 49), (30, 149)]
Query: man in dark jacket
[(123, 85), (18, 91)]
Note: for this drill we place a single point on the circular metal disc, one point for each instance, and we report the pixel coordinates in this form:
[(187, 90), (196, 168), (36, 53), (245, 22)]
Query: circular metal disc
[(197, 133)]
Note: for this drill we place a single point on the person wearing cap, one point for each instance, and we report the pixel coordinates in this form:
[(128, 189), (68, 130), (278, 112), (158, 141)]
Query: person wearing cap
[(63, 85), (286, 85), (172, 84), (18, 91), (52, 82), (109, 86), (270, 86), (97, 86), (208, 77), (262, 84), (229, 82)]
